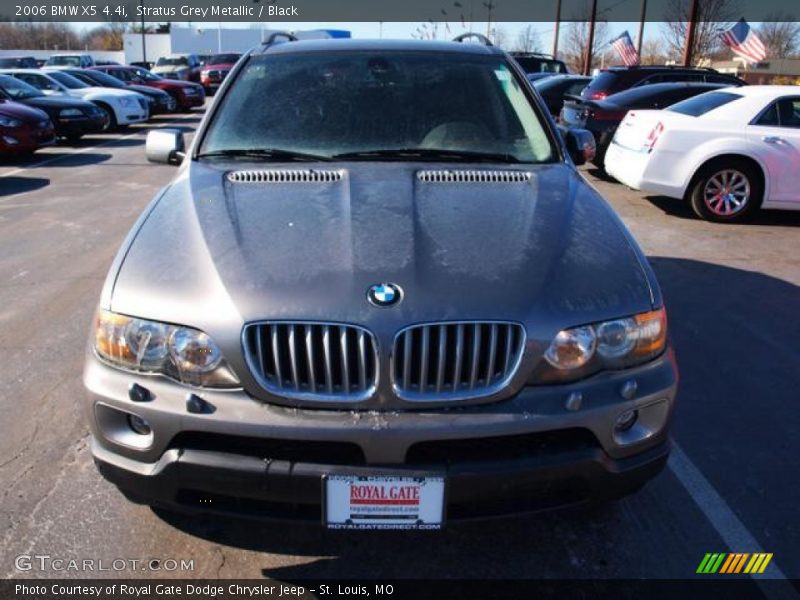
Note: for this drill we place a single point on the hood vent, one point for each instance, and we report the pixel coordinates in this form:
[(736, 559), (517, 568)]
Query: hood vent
[(286, 176), (447, 176)]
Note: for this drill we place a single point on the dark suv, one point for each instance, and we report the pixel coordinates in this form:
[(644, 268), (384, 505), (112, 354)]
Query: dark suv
[(378, 293), (615, 79), (535, 63)]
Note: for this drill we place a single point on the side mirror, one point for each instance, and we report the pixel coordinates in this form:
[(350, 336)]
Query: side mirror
[(165, 146), (580, 145)]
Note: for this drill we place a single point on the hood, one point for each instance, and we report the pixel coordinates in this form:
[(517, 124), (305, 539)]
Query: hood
[(549, 252), (103, 91), (175, 83), (56, 102), (146, 91), (19, 111)]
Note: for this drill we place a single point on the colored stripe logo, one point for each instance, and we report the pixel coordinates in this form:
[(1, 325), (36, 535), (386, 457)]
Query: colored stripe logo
[(735, 562)]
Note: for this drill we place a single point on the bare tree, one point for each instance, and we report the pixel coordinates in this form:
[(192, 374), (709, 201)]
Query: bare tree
[(712, 17), (653, 52), (26, 35), (528, 40), (576, 43), (781, 35), (500, 37), (105, 37)]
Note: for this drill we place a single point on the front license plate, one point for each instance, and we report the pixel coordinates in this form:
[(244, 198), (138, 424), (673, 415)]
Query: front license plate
[(357, 502)]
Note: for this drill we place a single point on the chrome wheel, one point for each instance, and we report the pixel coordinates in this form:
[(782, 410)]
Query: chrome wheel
[(727, 192)]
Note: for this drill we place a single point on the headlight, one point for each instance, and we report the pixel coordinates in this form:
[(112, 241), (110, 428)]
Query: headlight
[(70, 112), (126, 102), (621, 343), (9, 122), (204, 73), (182, 353), (190, 91)]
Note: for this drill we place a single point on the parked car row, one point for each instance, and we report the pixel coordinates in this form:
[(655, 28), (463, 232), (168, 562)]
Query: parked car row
[(725, 148), (39, 106)]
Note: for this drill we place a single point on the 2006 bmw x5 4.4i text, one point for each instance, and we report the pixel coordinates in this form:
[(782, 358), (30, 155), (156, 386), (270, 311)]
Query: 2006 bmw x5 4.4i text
[(378, 294)]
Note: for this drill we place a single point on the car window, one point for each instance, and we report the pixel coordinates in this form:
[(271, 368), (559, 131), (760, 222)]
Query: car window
[(769, 117), (704, 103), (122, 74), (18, 90), (221, 59), (329, 104), (176, 61), (38, 81), (72, 61), (789, 112), (68, 80)]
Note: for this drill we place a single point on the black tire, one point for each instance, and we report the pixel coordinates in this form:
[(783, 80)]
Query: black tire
[(728, 190), (112, 119), (74, 138)]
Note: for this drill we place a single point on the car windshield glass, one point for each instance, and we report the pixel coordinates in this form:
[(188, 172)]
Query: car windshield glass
[(700, 105), (147, 75), (67, 80), (100, 78), (380, 106), (8, 63), (18, 90), (72, 61), (173, 61), (221, 59), (535, 64)]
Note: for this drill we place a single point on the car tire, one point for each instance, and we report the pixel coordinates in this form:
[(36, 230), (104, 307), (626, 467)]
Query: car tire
[(112, 119), (74, 138), (726, 191)]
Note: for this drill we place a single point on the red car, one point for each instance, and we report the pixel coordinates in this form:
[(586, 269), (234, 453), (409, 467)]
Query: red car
[(187, 95), (216, 69), (23, 129)]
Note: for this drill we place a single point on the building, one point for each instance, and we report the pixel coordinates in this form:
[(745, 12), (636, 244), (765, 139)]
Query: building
[(770, 71), (207, 39)]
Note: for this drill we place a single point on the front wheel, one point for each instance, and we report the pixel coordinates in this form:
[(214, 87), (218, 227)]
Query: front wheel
[(111, 118), (726, 191)]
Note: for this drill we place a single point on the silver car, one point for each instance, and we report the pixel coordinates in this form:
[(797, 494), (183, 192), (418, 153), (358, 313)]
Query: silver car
[(378, 294)]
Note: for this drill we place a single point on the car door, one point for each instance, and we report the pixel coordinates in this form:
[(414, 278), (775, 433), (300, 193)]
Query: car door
[(774, 135)]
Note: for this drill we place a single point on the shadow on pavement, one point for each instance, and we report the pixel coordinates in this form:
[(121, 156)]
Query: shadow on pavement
[(680, 209), (738, 419), (21, 185)]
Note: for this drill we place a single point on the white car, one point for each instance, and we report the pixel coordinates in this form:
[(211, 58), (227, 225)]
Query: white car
[(727, 152), (122, 107)]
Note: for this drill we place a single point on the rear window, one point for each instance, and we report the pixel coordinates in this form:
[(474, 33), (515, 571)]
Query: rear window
[(607, 81), (533, 64), (700, 105)]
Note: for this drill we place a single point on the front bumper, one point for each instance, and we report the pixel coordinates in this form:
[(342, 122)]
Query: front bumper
[(528, 453)]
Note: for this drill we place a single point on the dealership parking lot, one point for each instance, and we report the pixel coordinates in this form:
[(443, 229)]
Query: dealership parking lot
[(733, 297)]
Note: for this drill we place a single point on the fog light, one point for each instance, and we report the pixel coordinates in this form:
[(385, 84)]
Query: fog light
[(139, 425), (626, 420), (10, 140)]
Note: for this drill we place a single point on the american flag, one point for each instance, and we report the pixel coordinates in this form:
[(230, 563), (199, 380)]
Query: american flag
[(743, 41), (624, 47)]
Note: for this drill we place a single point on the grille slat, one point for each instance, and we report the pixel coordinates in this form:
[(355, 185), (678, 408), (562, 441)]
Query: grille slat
[(456, 361), (302, 360), (472, 176), (286, 176)]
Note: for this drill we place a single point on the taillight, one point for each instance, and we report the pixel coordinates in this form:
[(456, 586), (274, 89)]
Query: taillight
[(593, 95), (652, 137)]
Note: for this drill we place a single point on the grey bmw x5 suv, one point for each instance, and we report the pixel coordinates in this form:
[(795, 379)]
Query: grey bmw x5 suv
[(378, 294)]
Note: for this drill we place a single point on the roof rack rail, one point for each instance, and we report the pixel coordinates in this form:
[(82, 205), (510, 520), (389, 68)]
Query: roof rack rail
[(280, 34), (478, 36)]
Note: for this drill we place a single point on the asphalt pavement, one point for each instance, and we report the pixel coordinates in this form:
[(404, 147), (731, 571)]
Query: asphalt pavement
[(733, 298)]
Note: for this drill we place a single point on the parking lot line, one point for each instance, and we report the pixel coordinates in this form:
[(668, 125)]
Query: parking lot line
[(732, 531), (88, 148)]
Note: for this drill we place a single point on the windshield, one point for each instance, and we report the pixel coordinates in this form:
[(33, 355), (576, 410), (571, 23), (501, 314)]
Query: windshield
[(72, 61), (18, 90), (372, 103), (221, 59), (99, 78), (535, 64), (67, 80), (147, 75), (172, 61), (700, 105)]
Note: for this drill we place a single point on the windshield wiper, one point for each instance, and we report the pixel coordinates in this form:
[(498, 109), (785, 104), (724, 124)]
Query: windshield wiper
[(266, 154), (429, 154)]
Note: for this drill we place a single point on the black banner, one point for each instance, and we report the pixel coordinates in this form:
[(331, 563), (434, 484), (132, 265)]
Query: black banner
[(183, 589), (338, 11)]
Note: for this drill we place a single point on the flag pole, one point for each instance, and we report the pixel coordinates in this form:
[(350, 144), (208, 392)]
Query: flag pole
[(558, 24), (587, 62), (688, 48), (641, 30)]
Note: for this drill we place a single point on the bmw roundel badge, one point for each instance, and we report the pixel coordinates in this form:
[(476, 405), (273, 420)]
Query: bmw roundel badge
[(384, 294)]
